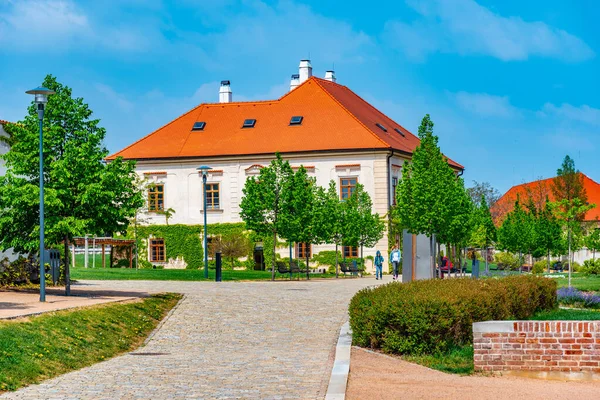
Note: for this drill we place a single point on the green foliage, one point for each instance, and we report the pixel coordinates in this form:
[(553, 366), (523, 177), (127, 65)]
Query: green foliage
[(365, 227), (183, 240), (427, 317), (55, 343), (231, 246), (591, 267), (539, 267), (327, 257), (484, 232), (568, 186), (506, 260), (592, 241), (83, 195), (517, 232)]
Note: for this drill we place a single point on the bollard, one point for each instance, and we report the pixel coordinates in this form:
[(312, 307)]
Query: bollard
[(218, 267)]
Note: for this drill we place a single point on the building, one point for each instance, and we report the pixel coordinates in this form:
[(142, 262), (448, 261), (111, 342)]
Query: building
[(538, 191), (320, 124)]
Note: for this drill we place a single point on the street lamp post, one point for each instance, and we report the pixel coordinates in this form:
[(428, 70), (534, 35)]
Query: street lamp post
[(41, 98), (204, 169)]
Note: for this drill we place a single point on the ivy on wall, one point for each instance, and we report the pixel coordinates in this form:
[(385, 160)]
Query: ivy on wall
[(181, 240)]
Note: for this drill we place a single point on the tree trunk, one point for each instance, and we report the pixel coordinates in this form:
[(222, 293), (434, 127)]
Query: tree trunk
[(362, 259), (548, 264), (432, 257), (67, 269), (336, 261), (291, 262), (570, 262), (307, 261), (273, 260), (487, 267)]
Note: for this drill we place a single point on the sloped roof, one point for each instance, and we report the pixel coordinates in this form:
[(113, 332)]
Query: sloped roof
[(335, 118), (538, 191)]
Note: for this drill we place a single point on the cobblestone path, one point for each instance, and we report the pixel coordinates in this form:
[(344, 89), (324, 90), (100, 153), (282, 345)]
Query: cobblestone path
[(231, 340)]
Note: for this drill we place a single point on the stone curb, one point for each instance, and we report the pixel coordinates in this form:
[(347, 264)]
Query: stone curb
[(341, 366), (161, 323)]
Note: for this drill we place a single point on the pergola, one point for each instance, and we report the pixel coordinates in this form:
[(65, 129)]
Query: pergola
[(104, 241)]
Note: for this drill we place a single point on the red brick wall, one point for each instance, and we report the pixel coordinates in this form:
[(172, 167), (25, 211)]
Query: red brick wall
[(560, 346)]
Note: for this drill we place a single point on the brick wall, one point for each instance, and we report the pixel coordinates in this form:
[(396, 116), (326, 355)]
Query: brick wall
[(562, 349)]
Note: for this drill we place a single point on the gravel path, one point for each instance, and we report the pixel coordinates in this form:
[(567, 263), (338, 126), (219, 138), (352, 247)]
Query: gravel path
[(380, 377), (256, 340)]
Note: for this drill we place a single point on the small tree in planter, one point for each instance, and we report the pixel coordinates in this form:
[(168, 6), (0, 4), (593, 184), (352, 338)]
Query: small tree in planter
[(231, 246)]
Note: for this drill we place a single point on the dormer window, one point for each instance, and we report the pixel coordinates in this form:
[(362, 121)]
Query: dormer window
[(297, 120), (399, 131), (383, 128), (199, 126), (249, 123)]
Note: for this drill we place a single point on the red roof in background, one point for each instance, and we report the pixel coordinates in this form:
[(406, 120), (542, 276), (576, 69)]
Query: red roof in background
[(538, 190), (3, 122), (335, 118)]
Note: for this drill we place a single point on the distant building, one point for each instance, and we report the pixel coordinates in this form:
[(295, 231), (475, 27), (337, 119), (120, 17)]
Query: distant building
[(538, 191), (320, 124)]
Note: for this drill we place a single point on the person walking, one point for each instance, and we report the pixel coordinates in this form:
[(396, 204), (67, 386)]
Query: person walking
[(378, 265), (395, 257)]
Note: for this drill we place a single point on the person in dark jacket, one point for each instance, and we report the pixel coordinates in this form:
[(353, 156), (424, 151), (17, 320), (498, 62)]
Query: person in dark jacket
[(378, 265)]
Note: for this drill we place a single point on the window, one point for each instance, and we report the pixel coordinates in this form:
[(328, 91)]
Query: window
[(350, 252), (399, 131), (383, 128), (347, 186), (212, 196), (394, 186), (303, 250), (249, 123), (157, 250), (297, 120), (156, 198), (199, 126)]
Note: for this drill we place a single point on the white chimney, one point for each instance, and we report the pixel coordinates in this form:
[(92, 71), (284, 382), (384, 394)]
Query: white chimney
[(225, 95), (330, 76), (305, 70), (294, 82)]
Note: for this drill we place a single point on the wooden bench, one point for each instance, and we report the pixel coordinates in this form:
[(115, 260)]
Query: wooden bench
[(351, 268)]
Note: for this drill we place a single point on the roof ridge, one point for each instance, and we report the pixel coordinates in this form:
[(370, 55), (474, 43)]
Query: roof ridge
[(348, 111), (233, 103), (114, 155)]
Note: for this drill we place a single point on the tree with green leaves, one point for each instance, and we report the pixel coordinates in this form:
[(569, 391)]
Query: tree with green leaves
[(568, 185), (422, 204), (367, 228), (548, 233), (329, 218), (517, 232), (300, 207), (263, 206), (83, 194), (592, 241), (484, 231)]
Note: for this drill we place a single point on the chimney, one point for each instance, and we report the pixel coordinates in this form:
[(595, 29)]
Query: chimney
[(294, 82), (225, 92), (305, 70), (330, 76)]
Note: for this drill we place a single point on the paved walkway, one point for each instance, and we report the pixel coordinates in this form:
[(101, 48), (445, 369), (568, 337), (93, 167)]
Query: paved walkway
[(231, 340)]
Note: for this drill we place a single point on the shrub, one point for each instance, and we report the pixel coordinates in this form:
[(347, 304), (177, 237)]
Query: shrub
[(539, 267), (591, 267), (506, 260), (573, 297), (436, 315), (576, 266), (326, 257)]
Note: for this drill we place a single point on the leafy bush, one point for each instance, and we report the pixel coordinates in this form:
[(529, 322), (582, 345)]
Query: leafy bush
[(576, 266), (437, 315), (539, 267), (591, 267), (573, 297), (326, 257), (506, 260)]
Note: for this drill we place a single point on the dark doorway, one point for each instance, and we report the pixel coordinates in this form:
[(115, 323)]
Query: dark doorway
[(259, 257)]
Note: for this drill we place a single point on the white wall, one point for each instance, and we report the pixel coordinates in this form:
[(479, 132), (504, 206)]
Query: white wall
[(183, 185)]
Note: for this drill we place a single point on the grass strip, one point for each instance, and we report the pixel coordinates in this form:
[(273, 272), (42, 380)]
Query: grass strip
[(567, 315), (55, 343), (179, 274), (456, 361)]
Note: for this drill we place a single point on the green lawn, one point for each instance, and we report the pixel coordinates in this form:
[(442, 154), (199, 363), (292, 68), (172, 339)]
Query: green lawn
[(177, 274), (55, 343), (581, 282), (456, 361), (566, 314)]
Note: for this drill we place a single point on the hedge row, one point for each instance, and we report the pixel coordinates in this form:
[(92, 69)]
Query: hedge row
[(431, 316)]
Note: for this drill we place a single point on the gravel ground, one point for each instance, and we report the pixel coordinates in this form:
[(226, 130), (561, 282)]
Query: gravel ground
[(376, 376)]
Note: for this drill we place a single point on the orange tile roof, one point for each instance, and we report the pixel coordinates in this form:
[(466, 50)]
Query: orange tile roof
[(335, 118), (3, 122), (538, 190)]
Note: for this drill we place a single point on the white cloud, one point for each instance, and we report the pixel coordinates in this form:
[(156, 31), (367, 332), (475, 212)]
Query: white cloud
[(465, 27), (583, 113), (486, 105)]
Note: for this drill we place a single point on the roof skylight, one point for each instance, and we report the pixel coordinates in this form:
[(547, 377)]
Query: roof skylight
[(296, 120), (249, 123), (399, 131), (199, 126), (383, 128)]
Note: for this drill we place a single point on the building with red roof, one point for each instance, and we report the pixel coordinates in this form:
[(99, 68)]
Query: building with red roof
[(319, 124)]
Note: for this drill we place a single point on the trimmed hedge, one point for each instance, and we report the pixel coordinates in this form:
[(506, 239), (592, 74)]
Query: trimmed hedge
[(432, 316)]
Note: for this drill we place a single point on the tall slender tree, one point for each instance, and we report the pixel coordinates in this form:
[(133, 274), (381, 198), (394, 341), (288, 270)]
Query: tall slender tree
[(548, 232), (263, 207)]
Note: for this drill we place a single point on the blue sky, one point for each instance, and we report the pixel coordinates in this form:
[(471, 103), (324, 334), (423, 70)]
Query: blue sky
[(512, 86)]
